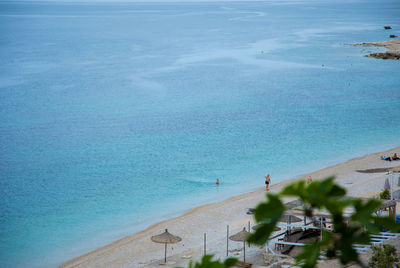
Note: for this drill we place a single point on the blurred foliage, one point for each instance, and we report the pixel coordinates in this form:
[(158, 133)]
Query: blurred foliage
[(385, 194), (318, 195), (384, 256), (206, 262)]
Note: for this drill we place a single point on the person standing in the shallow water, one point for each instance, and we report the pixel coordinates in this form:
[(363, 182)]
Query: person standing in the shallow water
[(267, 182), (217, 182)]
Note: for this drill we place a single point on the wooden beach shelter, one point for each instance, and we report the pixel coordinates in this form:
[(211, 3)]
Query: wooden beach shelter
[(276, 229), (391, 206), (166, 238), (241, 237)]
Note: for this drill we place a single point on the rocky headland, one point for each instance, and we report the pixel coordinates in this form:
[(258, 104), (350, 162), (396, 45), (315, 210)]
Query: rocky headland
[(393, 52)]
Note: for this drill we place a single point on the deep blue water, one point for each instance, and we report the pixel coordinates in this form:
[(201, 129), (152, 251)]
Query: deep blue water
[(115, 116)]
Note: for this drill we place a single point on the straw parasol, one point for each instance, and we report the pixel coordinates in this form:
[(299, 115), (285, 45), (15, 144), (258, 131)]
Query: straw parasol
[(241, 237), (255, 227), (290, 219), (166, 238), (386, 186)]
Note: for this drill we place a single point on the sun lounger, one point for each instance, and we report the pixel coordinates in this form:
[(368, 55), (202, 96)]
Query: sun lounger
[(250, 211)]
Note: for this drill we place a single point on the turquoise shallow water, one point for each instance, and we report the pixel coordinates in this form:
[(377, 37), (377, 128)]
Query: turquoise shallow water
[(115, 116)]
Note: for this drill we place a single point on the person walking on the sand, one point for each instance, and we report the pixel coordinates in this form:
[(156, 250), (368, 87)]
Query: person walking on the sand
[(267, 182)]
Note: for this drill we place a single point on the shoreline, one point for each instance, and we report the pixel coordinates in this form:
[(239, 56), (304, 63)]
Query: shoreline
[(137, 250)]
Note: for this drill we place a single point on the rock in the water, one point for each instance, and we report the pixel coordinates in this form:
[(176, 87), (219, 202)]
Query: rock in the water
[(387, 27), (392, 36), (385, 55)]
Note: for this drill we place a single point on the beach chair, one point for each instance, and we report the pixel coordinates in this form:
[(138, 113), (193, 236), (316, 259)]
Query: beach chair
[(279, 246), (250, 211)]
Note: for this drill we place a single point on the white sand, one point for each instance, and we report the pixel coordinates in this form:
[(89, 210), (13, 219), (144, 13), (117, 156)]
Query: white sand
[(137, 250)]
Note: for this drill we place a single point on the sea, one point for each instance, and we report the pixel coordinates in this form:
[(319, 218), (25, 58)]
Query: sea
[(117, 115)]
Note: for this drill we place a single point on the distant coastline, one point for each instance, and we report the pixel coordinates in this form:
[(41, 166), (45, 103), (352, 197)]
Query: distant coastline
[(393, 47)]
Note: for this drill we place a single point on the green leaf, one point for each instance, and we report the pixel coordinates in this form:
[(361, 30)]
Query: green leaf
[(295, 189), (309, 255), (349, 254), (262, 234), (230, 262), (364, 210), (323, 193), (206, 262), (270, 211), (388, 223), (267, 214), (363, 213)]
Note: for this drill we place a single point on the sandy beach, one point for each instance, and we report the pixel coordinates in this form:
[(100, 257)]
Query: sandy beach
[(119, 116), (138, 251)]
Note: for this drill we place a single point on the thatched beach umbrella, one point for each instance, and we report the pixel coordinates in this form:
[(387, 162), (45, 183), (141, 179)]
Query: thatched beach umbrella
[(166, 238), (241, 237), (290, 219), (386, 186), (255, 227)]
